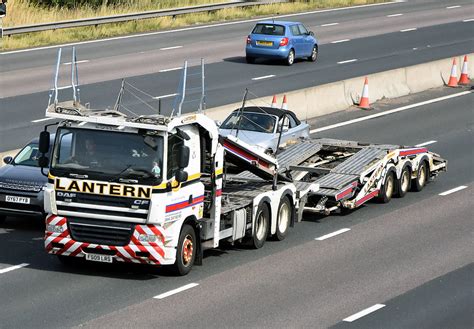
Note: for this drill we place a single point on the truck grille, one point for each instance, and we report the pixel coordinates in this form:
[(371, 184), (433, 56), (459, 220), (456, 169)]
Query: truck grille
[(100, 231)]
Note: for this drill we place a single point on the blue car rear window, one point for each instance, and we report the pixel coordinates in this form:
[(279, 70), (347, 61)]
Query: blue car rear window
[(269, 29)]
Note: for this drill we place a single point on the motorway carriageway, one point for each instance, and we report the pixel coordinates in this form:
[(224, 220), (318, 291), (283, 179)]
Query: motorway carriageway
[(354, 42), (405, 264)]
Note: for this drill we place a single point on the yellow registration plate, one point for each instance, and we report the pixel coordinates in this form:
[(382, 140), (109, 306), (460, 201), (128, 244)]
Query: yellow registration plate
[(265, 43)]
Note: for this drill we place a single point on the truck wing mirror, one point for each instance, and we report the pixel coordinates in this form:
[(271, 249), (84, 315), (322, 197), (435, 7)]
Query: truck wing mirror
[(43, 162), (44, 142), (181, 176), (183, 156)]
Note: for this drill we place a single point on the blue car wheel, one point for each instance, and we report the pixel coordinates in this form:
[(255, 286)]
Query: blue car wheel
[(314, 54)]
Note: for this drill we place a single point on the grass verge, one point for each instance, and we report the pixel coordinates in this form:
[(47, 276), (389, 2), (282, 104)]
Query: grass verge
[(61, 36)]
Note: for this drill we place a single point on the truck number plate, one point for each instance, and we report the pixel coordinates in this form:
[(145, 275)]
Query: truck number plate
[(17, 199), (99, 258)]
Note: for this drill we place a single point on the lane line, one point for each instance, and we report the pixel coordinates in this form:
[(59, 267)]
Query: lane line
[(409, 30), (170, 48), (399, 109), (264, 77), (452, 7), (425, 143), (329, 24), (177, 290), (41, 120), (456, 189), (348, 61), (362, 313), (330, 235), (339, 41), (394, 15), (78, 62), (12, 268), (468, 20), (165, 96), (172, 69), (197, 27)]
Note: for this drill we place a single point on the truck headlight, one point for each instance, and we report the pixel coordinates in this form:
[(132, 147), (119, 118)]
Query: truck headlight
[(147, 238), (54, 228)]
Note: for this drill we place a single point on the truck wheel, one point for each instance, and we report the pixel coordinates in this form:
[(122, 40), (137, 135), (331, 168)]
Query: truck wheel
[(388, 187), (421, 177), (186, 251), (284, 218), (262, 221), (290, 59), (403, 184)]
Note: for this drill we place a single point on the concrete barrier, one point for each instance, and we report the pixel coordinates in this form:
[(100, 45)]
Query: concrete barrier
[(337, 96)]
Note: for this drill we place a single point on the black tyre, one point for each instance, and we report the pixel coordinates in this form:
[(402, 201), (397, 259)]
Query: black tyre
[(404, 183), (421, 178), (285, 210), (262, 223), (186, 251), (2, 219), (388, 188), (250, 59), (290, 59), (314, 54)]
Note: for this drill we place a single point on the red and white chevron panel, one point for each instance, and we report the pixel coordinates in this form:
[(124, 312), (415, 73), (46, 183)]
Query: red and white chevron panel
[(122, 253)]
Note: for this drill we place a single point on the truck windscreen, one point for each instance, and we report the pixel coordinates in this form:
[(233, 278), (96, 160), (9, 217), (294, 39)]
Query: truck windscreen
[(108, 155)]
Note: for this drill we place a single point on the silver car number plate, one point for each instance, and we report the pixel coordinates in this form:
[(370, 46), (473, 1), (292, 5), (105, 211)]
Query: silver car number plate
[(17, 199), (99, 258)]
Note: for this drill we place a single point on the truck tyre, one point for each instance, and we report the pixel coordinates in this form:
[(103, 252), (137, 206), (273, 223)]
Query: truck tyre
[(404, 183), (186, 251), (314, 54), (285, 210), (262, 223), (388, 187), (421, 178), (290, 59)]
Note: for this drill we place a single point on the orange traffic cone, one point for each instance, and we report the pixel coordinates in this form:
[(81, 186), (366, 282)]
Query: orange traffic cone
[(464, 79), (274, 101), (284, 106), (364, 100), (453, 79)]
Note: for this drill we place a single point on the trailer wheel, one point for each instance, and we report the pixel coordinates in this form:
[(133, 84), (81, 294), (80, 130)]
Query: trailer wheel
[(186, 251), (421, 177), (262, 223), (404, 183), (283, 218), (388, 187)]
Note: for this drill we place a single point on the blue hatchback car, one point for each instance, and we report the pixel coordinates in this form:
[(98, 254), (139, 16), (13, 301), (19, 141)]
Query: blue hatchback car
[(281, 40)]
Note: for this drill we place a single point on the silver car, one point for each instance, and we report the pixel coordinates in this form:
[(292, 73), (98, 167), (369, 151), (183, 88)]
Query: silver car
[(262, 126)]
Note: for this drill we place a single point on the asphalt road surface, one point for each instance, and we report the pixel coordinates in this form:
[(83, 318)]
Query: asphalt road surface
[(372, 38), (410, 261)]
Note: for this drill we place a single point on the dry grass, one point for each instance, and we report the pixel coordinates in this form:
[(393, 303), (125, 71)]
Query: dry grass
[(20, 13)]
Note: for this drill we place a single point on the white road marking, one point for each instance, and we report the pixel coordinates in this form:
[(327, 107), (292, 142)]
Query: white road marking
[(165, 96), (459, 188), (339, 41), (348, 61), (415, 48), (170, 48), (394, 15), (362, 313), (409, 30), (330, 24), (452, 7), (172, 69), (177, 290), (330, 235), (425, 143), (78, 62), (12, 268), (197, 27), (399, 109), (468, 20), (41, 120), (264, 77)]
